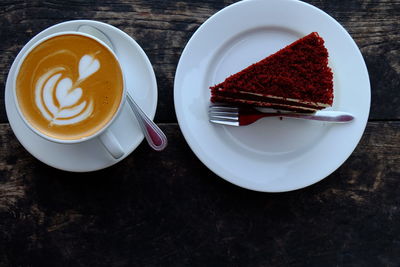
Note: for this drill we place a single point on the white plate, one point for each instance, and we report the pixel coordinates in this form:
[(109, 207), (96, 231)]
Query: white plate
[(271, 155), (91, 155)]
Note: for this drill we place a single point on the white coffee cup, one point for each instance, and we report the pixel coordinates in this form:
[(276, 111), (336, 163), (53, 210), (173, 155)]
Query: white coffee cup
[(105, 134)]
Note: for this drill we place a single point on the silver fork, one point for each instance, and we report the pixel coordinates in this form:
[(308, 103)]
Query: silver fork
[(240, 116)]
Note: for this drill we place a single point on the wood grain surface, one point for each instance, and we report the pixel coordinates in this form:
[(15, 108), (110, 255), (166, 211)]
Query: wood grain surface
[(168, 209), (174, 212)]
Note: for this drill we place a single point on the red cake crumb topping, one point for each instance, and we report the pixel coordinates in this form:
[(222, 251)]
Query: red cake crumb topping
[(298, 72)]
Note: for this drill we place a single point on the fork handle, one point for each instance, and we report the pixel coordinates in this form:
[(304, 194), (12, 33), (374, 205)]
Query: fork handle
[(328, 116), (246, 119)]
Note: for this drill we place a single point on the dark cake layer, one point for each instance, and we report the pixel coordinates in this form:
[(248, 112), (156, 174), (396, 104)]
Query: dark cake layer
[(266, 101)]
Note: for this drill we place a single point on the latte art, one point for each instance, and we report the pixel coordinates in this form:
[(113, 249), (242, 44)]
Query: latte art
[(59, 99), (69, 87)]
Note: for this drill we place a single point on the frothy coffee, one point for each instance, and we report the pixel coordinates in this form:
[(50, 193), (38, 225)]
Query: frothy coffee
[(69, 87)]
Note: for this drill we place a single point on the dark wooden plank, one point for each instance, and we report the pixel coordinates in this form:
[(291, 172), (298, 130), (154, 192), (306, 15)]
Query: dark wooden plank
[(168, 209), (164, 27)]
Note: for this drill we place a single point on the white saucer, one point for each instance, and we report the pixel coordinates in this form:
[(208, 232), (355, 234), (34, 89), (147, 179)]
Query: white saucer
[(270, 155), (91, 155)]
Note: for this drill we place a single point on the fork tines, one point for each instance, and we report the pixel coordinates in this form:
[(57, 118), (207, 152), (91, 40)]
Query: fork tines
[(224, 114)]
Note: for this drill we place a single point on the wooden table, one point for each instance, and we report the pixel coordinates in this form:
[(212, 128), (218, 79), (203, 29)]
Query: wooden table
[(168, 209)]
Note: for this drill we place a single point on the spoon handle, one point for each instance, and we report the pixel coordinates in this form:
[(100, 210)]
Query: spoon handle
[(154, 136)]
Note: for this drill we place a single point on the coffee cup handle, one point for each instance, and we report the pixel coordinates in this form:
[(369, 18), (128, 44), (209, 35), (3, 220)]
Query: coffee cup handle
[(111, 143)]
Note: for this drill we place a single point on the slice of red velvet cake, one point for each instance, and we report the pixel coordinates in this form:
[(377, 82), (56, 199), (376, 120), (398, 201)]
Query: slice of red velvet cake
[(296, 77)]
